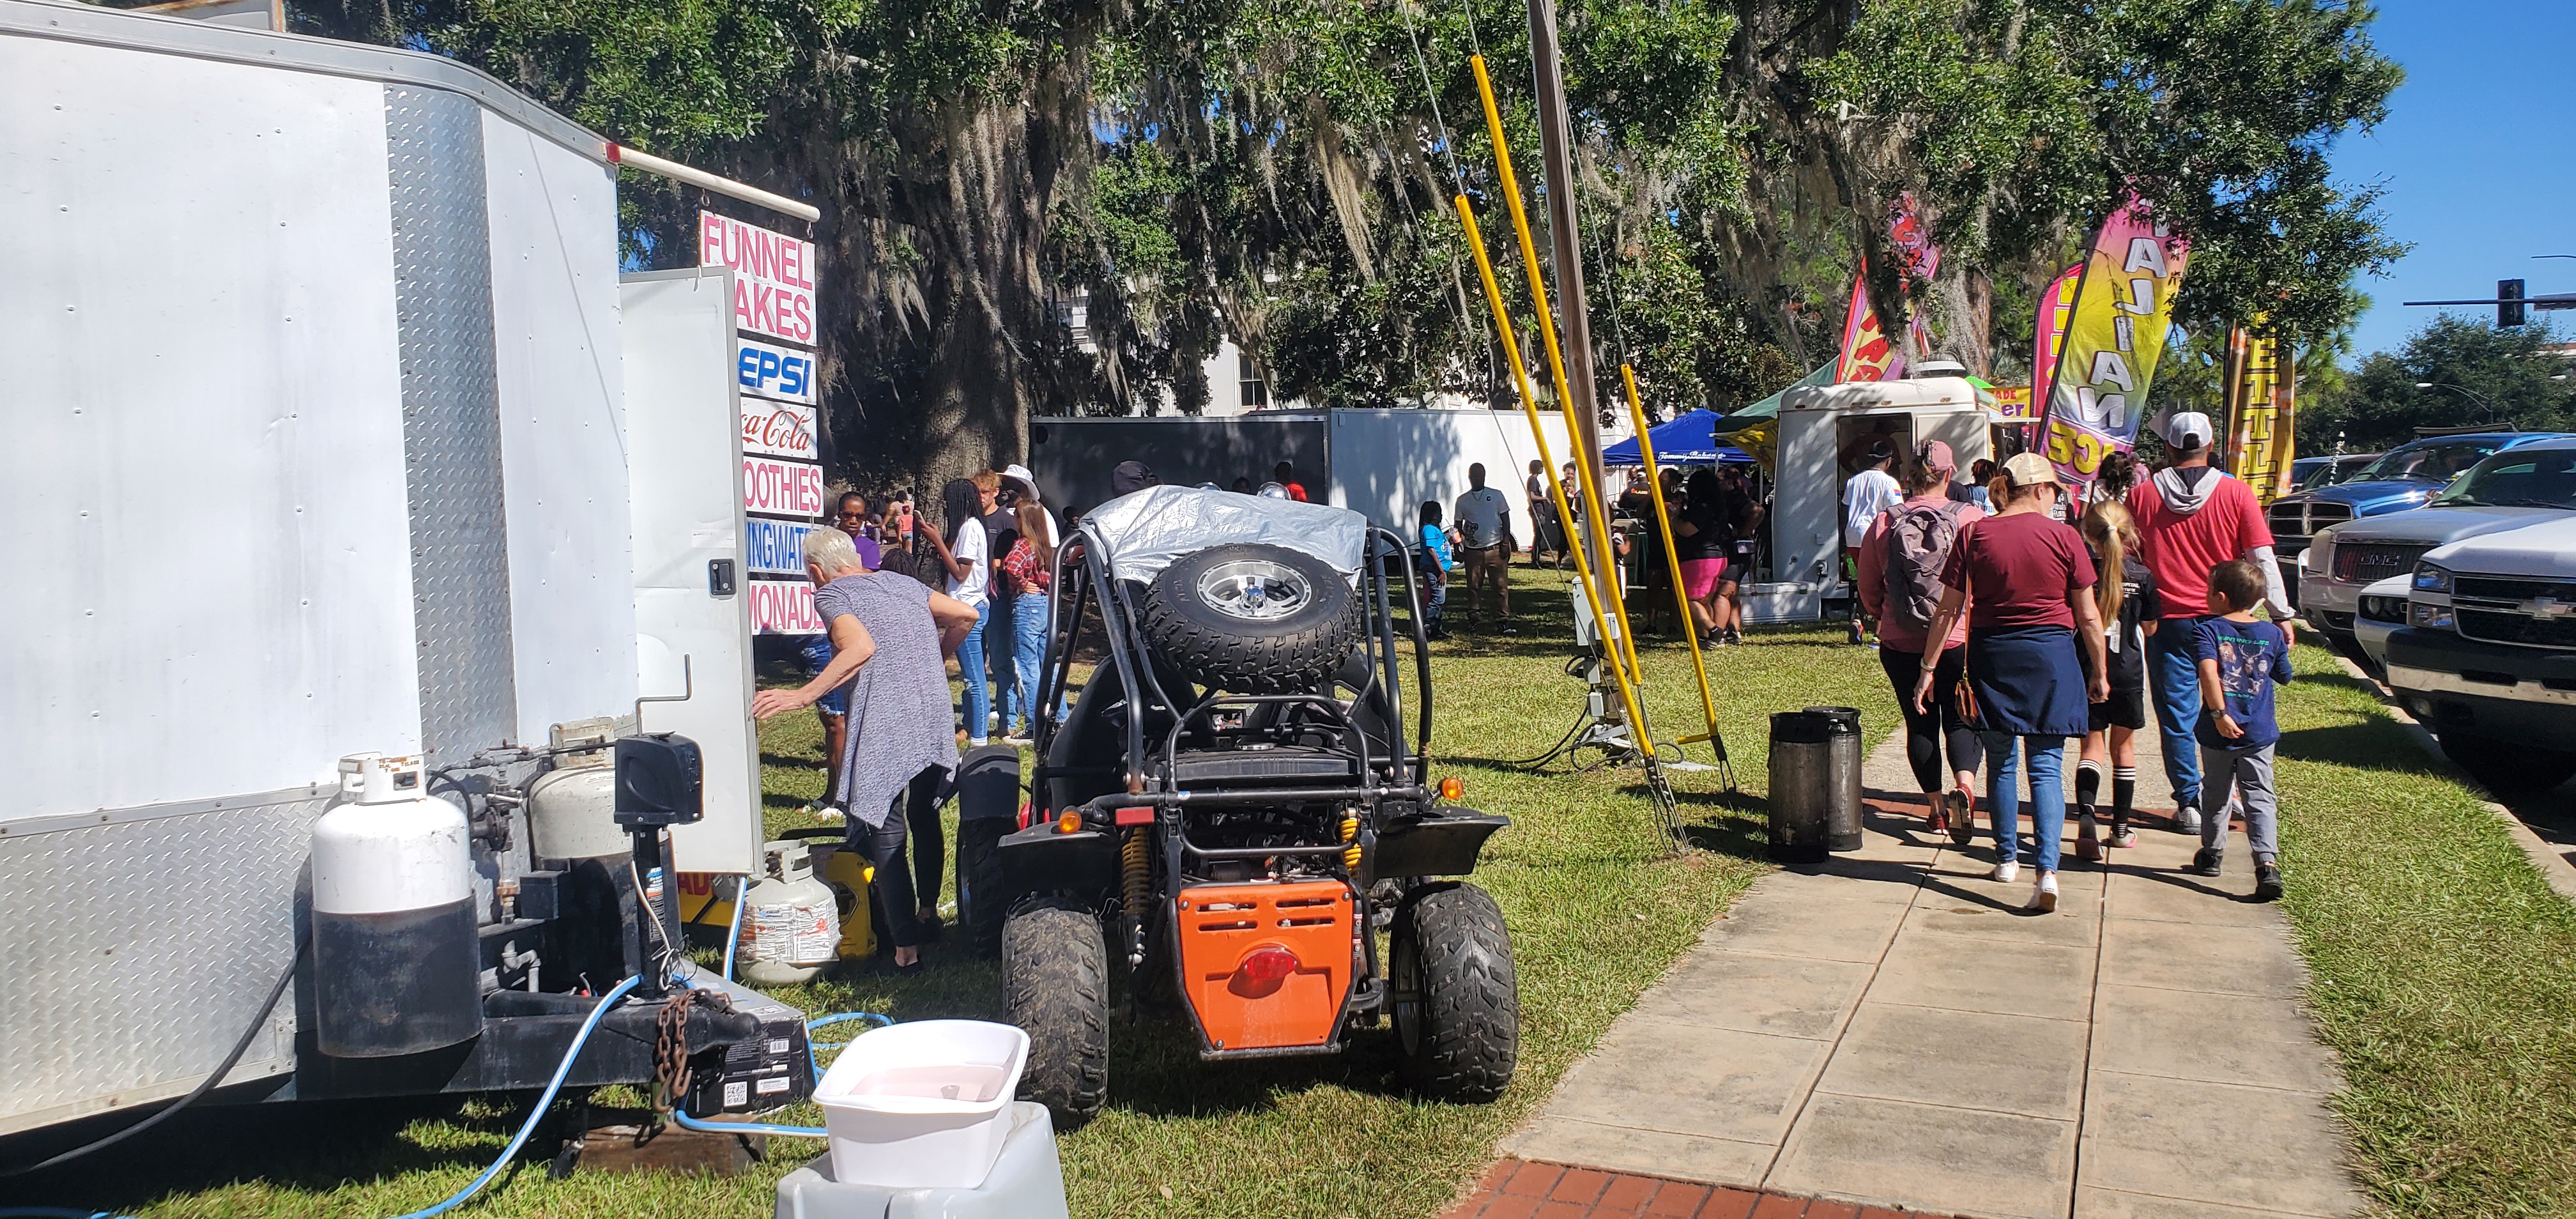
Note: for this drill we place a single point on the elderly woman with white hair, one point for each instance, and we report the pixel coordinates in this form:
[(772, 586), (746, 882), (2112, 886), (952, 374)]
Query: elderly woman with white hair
[(890, 636)]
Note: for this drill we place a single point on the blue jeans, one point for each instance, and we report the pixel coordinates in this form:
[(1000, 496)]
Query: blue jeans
[(1030, 615), (2173, 679), (2047, 793), (970, 666)]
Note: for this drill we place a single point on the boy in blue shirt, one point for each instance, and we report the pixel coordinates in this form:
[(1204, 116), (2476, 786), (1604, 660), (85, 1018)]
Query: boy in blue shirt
[(2241, 659), (1432, 561)]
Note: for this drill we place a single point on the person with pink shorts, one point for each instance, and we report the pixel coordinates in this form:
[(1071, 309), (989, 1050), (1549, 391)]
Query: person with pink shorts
[(1702, 544)]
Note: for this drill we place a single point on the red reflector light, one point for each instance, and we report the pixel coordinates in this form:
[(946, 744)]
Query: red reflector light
[(1267, 965), (1135, 816)]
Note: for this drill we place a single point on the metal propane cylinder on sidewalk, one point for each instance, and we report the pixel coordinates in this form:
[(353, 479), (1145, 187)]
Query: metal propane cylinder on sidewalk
[(1801, 786), (791, 925), (1843, 761)]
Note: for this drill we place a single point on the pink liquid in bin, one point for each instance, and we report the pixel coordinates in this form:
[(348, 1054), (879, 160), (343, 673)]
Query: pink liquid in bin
[(922, 1105)]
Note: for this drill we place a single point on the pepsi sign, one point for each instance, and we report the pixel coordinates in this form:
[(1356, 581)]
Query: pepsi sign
[(771, 371)]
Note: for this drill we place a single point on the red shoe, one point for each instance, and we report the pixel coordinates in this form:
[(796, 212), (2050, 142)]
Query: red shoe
[(1938, 820)]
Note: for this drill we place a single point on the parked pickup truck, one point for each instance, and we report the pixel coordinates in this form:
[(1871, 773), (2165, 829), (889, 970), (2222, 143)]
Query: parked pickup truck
[(2402, 478), (2509, 489), (2487, 659)]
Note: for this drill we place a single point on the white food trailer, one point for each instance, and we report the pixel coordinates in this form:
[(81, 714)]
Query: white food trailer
[(332, 431), (1822, 428)]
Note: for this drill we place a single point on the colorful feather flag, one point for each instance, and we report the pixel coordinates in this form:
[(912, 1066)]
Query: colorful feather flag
[(2115, 332)]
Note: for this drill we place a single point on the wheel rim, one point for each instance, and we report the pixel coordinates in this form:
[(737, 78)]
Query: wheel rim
[(1255, 590)]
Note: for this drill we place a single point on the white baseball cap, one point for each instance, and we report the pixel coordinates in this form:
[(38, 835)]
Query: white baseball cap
[(2188, 430), (1020, 474), (2029, 469)]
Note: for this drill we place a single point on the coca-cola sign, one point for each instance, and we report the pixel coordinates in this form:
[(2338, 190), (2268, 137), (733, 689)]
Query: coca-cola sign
[(778, 429)]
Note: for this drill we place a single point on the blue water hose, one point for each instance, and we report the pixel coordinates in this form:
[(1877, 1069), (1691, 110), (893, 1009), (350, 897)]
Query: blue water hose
[(56, 1212), (741, 889), (538, 1114)]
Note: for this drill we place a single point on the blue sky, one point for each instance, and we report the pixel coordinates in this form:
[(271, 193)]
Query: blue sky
[(2479, 171)]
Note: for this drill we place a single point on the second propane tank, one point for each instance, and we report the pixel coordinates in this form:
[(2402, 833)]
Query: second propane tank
[(791, 925), (572, 814), (396, 964)]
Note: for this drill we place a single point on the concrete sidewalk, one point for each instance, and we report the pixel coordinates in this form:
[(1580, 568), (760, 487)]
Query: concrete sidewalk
[(1893, 1031)]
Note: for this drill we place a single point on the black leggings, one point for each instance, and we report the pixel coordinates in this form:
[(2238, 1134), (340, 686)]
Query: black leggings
[(893, 892), (1926, 731), (929, 843)]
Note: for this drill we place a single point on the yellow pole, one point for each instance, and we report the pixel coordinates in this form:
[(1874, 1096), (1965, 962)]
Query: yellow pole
[(1623, 651), (1672, 558), (1556, 490)]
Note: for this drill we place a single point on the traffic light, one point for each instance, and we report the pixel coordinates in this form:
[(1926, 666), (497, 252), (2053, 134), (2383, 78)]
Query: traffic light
[(2509, 306)]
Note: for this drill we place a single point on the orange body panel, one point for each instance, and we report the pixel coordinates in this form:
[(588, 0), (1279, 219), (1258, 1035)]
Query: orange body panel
[(1220, 925)]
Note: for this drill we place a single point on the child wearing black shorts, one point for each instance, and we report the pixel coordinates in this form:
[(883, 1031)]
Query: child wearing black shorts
[(2126, 595)]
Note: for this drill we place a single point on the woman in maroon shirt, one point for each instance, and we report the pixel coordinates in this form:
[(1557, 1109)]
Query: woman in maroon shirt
[(2023, 576)]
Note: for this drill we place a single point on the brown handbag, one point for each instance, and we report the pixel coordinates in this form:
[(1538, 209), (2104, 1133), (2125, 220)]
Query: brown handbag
[(1963, 699)]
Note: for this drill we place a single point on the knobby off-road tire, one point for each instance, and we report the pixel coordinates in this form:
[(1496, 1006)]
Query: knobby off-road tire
[(1457, 1010), (2506, 769), (1055, 981), (1303, 621)]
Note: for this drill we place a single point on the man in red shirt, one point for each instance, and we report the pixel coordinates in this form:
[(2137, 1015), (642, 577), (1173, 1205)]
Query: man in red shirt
[(2192, 517), (1286, 477)]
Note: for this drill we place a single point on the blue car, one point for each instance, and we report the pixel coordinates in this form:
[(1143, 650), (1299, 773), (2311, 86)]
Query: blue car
[(2402, 478)]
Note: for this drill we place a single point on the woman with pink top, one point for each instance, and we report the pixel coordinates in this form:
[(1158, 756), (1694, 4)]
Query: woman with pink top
[(1901, 558)]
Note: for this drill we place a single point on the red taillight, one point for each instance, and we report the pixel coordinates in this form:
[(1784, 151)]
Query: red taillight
[(1267, 965), (1135, 816), (1027, 810)]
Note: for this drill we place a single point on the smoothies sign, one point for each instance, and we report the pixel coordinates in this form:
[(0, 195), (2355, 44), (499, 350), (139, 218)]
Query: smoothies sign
[(777, 379), (2114, 334)]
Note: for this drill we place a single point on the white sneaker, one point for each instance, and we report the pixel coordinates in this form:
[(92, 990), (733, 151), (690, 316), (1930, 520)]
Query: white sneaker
[(2186, 820), (2006, 872), (2043, 896)]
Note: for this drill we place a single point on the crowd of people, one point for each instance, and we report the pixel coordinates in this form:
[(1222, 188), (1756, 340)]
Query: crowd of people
[(2006, 630)]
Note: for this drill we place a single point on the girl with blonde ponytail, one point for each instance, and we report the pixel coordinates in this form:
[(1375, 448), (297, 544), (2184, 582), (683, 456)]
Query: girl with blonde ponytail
[(2125, 593)]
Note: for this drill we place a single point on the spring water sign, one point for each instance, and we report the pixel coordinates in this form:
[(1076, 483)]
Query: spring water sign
[(2115, 333)]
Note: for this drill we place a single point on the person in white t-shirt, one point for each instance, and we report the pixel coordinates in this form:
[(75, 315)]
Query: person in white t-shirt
[(1485, 540), (1870, 492), (963, 550)]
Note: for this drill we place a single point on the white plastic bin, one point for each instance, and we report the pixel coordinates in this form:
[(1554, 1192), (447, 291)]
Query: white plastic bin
[(924, 1105)]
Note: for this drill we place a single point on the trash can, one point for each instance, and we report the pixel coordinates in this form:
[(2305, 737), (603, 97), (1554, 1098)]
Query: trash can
[(1801, 785), (1842, 813)]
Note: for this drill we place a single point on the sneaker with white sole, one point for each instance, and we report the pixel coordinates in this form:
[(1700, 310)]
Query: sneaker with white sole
[(2088, 841), (2043, 896), (2186, 820), (2122, 836), (2006, 872)]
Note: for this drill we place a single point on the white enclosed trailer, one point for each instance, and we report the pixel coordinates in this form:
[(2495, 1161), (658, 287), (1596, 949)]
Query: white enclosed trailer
[(320, 442), (1821, 428)]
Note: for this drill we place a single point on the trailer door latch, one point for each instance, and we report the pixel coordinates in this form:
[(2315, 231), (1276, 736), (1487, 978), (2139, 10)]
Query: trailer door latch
[(719, 577)]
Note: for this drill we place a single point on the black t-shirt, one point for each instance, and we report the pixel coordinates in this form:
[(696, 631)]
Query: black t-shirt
[(2128, 643), (1711, 539)]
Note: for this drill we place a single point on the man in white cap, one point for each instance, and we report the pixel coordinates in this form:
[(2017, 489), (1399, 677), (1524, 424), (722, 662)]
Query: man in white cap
[(1016, 478), (2192, 517)]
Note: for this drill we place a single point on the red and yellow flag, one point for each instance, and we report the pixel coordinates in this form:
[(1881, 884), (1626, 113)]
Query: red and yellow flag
[(1866, 353)]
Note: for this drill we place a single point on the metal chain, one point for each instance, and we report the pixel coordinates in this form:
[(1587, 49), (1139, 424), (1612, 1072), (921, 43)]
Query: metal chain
[(671, 1045)]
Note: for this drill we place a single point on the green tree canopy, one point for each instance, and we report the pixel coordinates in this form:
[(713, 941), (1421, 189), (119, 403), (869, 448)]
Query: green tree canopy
[(2475, 372)]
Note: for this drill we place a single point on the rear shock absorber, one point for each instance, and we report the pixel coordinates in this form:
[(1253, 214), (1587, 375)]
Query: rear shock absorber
[(1136, 890), (1350, 841)]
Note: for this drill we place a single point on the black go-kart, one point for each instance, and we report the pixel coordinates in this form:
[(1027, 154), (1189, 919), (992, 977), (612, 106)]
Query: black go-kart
[(1230, 809)]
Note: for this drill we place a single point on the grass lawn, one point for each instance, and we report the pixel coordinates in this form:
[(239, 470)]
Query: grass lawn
[(2443, 966), (1596, 907), (2444, 975)]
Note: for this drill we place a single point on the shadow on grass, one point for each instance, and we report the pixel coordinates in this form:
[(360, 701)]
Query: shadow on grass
[(313, 1146)]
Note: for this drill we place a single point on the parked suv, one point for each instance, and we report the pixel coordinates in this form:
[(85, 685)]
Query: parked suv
[(2487, 659), (2511, 488), (2402, 478)]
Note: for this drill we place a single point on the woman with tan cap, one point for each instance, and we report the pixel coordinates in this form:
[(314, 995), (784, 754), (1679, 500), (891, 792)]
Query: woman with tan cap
[(2022, 577)]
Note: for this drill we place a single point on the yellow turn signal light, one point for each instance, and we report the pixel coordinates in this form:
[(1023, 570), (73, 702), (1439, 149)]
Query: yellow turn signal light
[(1069, 822), (1453, 788)]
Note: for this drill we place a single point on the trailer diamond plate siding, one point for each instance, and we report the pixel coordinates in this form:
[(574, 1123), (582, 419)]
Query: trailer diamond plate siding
[(451, 420), (150, 943)]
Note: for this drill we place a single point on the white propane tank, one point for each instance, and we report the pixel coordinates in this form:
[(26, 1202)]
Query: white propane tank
[(572, 814), (396, 962), (791, 924)]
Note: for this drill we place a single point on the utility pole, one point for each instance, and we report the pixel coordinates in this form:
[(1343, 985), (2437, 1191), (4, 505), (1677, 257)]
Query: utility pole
[(1556, 137)]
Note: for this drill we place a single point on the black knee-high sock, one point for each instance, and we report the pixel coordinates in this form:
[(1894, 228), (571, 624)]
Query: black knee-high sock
[(2124, 793), (2088, 784)]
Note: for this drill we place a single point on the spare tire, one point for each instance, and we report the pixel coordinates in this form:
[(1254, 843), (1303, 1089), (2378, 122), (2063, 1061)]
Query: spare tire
[(1251, 619)]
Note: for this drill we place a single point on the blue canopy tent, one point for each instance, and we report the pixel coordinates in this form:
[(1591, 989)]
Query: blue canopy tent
[(1689, 440)]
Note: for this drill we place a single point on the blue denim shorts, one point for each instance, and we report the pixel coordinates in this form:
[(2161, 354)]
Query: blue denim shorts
[(817, 652)]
